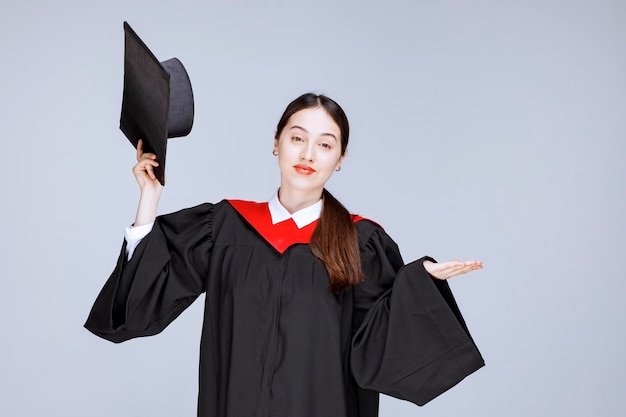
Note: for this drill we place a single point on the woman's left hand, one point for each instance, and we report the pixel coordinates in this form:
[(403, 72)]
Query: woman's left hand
[(446, 270)]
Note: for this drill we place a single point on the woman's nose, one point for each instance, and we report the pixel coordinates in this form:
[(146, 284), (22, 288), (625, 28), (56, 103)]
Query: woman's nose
[(307, 153)]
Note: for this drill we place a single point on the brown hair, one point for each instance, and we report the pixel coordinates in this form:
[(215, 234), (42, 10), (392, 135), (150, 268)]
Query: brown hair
[(334, 240)]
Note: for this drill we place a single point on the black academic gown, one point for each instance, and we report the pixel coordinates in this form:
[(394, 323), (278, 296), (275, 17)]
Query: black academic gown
[(276, 342)]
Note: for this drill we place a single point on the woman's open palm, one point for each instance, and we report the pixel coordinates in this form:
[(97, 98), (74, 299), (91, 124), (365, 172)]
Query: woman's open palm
[(446, 270)]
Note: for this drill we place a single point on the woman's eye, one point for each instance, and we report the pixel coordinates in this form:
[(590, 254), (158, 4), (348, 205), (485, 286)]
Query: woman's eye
[(297, 139), (325, 145)]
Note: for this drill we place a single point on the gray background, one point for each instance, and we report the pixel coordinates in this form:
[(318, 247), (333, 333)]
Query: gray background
[(481, 129)]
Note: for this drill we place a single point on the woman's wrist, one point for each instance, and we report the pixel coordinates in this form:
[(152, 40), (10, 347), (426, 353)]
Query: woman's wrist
[(147, 209)]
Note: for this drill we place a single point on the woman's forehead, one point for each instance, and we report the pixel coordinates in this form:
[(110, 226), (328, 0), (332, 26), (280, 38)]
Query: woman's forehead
[(314, 121)]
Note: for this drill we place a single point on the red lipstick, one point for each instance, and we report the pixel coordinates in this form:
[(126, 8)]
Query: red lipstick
[(304, 169)]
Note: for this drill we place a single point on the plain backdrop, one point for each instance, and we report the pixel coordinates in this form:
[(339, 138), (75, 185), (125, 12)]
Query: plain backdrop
[(491, 130)]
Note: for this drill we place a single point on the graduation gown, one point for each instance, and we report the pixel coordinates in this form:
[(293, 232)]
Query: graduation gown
[(276, 342)]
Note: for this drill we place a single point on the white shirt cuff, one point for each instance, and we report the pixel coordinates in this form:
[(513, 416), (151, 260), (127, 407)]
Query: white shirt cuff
[(133, 236)]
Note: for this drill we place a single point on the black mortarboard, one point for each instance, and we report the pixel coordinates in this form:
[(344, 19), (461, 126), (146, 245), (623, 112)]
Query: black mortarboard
[(157, 102)]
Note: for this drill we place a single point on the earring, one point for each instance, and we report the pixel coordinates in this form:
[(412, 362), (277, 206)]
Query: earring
[(275, 152), (338, 168)]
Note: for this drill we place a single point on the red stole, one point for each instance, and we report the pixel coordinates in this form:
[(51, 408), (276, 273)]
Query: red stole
[(280, 235)]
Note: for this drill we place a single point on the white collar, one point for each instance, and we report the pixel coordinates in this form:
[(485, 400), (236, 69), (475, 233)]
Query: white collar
[(301, 217)]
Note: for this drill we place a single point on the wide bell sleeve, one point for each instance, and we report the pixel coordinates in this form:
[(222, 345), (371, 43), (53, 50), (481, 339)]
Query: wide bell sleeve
[(163, 277), (411, 342)]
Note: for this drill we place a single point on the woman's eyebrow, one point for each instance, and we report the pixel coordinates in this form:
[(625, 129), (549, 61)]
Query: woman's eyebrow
[(306, 131)]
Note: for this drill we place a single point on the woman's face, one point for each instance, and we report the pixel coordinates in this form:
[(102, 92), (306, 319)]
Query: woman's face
[(309, 150)]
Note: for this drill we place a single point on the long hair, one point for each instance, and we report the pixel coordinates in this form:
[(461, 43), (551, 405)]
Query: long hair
[(334, 241)]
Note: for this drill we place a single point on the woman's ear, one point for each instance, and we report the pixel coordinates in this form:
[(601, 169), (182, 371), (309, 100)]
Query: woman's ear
[(338, 166), (275, 151)]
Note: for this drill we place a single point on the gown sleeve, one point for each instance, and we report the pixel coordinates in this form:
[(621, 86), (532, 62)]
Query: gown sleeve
[(410, 340), (163, 277)]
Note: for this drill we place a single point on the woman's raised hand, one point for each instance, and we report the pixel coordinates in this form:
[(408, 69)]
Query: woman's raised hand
[(151, 188), (144, 170), (445, 270)]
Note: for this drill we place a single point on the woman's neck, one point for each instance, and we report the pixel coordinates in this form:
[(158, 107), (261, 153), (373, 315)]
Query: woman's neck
[(294, 200)]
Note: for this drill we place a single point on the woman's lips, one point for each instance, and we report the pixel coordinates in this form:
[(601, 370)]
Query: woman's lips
[(304, 169)]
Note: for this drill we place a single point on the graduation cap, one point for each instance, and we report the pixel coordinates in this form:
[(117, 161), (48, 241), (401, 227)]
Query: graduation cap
[(157, 101)]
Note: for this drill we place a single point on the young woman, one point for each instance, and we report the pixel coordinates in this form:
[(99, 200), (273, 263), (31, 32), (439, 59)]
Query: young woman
[(310, 311)]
